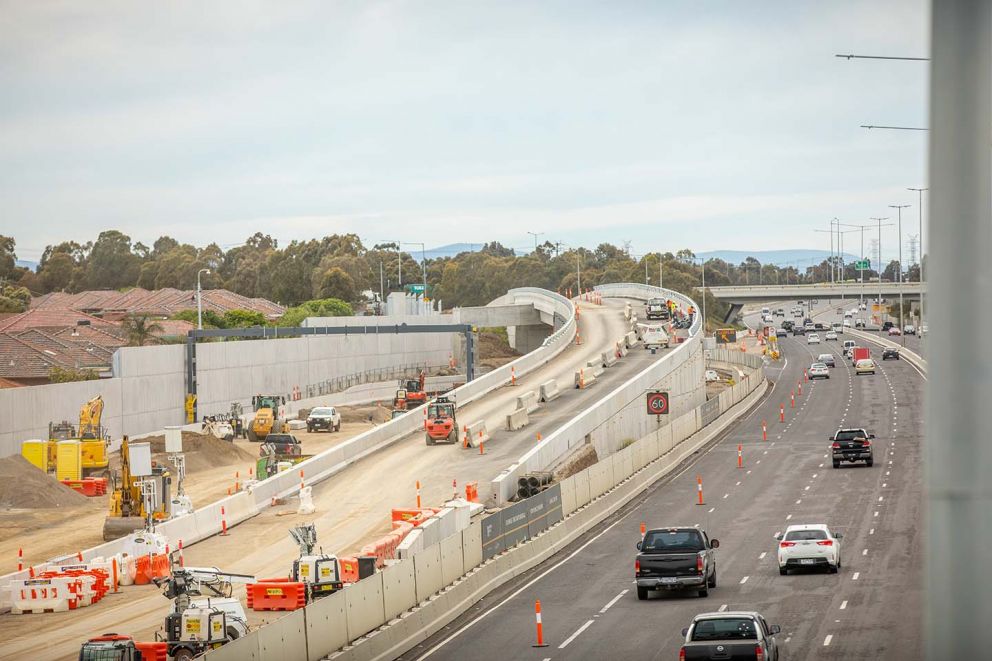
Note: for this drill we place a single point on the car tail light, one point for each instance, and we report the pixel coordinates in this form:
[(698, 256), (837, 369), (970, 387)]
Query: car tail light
[(699, 564), (825, 543), (637, 566), (759, 652), (682, 654), (786, 545), (835, 445), (867, 444)]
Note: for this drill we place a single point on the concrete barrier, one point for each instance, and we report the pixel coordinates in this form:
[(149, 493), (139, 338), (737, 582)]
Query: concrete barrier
[(517, 420), (476, 433), (584, 378), (609, 358), (528, 401), (632, 340), (622, 347), (549, 391)]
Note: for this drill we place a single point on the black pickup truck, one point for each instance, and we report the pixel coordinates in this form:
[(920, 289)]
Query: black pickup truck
[(675, 559), (852, 445), (730, 636)]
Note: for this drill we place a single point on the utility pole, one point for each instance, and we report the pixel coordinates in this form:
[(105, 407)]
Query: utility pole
[(902, 326), (661, 269), (199, 299), (382, 288), (879, 221), (535, 235), (922, 251)]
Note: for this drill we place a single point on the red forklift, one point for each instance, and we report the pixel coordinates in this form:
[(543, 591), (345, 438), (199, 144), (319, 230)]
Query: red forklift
[(441, 426)]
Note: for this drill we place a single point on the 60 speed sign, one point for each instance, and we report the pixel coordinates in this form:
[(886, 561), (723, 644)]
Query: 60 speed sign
[(657, 403)]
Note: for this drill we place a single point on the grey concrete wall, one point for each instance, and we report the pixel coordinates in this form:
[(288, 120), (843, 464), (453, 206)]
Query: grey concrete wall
[(501, 315), (527, 338)]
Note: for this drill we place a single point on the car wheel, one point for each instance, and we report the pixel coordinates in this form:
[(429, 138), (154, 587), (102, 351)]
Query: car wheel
[(337, 427), (183, 654), (430, 441), (704, 592), (783, 571), (310, 429), (233, 633), (711, 583), (836, 464), (642, 593), (870, 463), (832, 569)]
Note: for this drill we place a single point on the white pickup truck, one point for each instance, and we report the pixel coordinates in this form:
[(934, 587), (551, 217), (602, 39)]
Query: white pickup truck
[(654, 337)]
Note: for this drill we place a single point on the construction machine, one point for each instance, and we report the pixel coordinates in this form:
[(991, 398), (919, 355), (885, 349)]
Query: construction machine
[(411, 393), (136, 502), (267, 418), (92, 437), (441, 425), (320, 572), (278, 448)]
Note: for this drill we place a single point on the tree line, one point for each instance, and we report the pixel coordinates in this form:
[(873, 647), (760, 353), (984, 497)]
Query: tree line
[(317, 275)]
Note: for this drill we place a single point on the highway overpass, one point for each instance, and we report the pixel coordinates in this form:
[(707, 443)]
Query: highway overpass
[(738, 295)]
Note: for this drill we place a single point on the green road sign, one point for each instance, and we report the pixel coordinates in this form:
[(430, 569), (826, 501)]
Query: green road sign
[(416, 289), (863, 265)]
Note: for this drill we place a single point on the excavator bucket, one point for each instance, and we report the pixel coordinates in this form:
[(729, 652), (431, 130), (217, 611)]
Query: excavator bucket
[(115, 527)]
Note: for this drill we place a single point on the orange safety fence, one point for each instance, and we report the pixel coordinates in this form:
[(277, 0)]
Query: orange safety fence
[(472, 492), (276, 594), (153, 651), (150, 566), (89, 486), (414, 515), (348, 569)]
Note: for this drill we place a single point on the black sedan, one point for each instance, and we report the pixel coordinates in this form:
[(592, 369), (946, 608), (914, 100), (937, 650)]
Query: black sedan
[(890, 352)]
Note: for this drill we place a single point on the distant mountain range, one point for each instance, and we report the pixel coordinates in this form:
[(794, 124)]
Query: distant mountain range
[(449, 250), (27, 264), (797, 258)]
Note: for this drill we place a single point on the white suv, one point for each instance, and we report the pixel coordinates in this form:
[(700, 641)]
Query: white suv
[(811, 545)]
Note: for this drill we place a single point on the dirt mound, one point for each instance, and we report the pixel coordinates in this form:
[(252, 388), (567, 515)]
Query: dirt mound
[(203, 451), (377, 413), (494, 350), (23, 486)]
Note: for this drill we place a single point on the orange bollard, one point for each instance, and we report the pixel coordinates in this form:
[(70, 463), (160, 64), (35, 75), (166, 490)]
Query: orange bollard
[(805, 375), (465, 437), (250, 473), (699, 489), (482, 449), (644, 529), (20, 559), (540, 626), (764, 430), (113, 567), (792, 399), (582, 378), (800, 388), (223, 522), (79, 554), (740, 455), (578, 336), (237, 481), (301, 480), (538, 437), (182, 560), (513, 376), (781, 413), (418, 494)]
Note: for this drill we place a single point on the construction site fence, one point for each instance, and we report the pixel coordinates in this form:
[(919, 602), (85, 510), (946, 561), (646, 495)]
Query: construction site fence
[(415, 597), (621, 414), (207, 520)]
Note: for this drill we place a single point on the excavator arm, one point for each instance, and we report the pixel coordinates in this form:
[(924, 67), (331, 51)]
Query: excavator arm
[(89, 418)]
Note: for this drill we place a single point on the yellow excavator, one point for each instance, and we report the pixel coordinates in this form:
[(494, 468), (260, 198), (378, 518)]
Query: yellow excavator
[(91, 436), (129, 510), (267, 419)]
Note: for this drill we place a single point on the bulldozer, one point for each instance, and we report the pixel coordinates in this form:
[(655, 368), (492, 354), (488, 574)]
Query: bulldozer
[(92, 437), (441, 424), (130, 509), (267, 419), (411, 394)]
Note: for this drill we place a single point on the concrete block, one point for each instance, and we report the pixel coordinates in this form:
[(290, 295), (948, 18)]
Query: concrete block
[(595, 367), (242, 649), (581, 482), (517, 420), (327, 626), (399, 589), (549, 391), (609, 359), (632, 340), (477, 433), (528, 401), (364, 606), (622, 347), (584, 378), (285, 638), (568, 495), (472, 546), (427, 570), (452, 559)]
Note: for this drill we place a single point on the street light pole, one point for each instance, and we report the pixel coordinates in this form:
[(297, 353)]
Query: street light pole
[(879, 221), (661, 269), (902, 326), (922, 252), (535, 235), (199, 299)]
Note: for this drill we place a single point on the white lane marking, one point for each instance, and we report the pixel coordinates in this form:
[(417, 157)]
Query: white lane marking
[(806, 488), (826, 641), (843, 604), (799, 501), (871, 532), (744, 580), (880, 498), (865, 552), (722, 608), (762, 556), (788, 518), (821, 465), (758, 461), (884, 485), (749, 472), (710, 512), (613, 601), (876, 513), (855, 577), (575, 635), (725, 495)]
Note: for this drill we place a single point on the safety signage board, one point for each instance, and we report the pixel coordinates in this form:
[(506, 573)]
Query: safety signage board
[(862, 265), (657, 403)]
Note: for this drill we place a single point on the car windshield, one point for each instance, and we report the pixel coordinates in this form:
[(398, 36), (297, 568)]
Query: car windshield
[(322, 410), (734, 628), (819, 366), (865, 362), (824, 357), (805, 535), (687, 541), (850, 435)]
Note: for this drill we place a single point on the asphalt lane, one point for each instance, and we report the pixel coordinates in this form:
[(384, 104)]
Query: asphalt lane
[(870, 609)]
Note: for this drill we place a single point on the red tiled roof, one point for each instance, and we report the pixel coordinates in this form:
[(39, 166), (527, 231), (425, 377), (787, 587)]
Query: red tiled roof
[(20, 360), (161, 302), (174, 327), (68, 354), (48, 318)]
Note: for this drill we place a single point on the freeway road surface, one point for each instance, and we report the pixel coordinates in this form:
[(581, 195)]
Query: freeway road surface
[(353, 507), (871, 609)]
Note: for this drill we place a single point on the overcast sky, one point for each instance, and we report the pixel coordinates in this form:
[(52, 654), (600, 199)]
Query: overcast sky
[(707, 125)]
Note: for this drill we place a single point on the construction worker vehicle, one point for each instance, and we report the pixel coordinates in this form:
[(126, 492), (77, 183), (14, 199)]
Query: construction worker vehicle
[(411, 394), (268, 419), (441, 425), (278, 448), (204, 614), (137, 501), (114, 647), (92, 437)]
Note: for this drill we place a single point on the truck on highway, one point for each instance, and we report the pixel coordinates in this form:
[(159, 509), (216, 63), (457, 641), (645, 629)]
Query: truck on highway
[(730, 636), (860, 353), (657, 308), (680, 558)]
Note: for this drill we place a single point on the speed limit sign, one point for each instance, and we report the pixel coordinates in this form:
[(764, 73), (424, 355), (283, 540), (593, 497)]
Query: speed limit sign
[(657, 403)]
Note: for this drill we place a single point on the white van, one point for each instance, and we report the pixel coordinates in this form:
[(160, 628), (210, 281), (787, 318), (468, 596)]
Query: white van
[(654, 336), (765, 311)]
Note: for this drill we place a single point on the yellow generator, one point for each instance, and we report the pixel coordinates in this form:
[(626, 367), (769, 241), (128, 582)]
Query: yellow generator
[(92, 440), (267, 418)]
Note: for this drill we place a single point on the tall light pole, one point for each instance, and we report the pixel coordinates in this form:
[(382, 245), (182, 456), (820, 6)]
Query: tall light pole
[(902, 326), (199, 299), (879, 221), (922, 251), (535, 235)]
